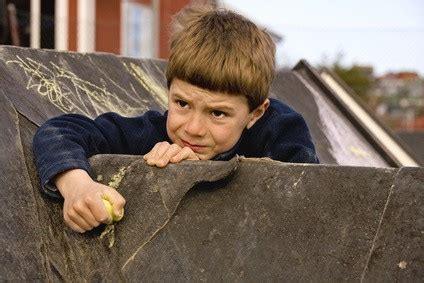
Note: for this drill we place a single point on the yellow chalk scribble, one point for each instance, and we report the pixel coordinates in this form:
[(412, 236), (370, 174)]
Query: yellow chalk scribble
[(109, 234), (116, 179), (358, 151), (109, 231), (69, 92), (159, 93)]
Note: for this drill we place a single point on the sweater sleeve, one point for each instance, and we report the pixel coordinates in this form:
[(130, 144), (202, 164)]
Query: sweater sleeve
[(66, 142), (291, 141), (281, 134)]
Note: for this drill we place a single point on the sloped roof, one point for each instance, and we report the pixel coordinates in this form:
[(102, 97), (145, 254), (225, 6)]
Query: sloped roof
[(339, 135), (388, 144)]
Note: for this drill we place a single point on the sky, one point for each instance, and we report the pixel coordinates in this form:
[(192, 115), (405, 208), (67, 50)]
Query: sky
[(388, 35)]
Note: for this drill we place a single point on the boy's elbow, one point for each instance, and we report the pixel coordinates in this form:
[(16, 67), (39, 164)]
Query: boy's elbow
[(39, 138), (310, 156), (304, 155)]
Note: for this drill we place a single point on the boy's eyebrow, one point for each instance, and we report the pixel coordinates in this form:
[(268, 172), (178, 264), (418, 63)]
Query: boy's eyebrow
[(222, 107), (210, 106), (178, 95)]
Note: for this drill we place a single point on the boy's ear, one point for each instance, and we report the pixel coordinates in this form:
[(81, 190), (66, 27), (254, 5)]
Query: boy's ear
[(258, 113)]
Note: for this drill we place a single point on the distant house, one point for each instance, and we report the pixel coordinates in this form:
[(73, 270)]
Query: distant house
[(402, 96), (136, 28), (407, 83)]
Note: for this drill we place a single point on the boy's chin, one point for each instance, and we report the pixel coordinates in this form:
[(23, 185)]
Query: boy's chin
[(207, 156), (203, 156)]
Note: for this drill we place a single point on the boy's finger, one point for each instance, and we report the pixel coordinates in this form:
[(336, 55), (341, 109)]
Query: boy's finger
[(75, 227), (157, 152), (85, 211), (76, 219), (99, 211), (173, 150), (69, 222), (116, 199), (192, 156), (162, 148), (182, 155), (152, 151), (185, 154)]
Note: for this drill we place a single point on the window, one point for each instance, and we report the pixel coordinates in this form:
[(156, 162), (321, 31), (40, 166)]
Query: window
[(137, 30)]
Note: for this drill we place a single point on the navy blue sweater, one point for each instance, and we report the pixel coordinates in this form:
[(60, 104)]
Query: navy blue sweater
[(66, 142)]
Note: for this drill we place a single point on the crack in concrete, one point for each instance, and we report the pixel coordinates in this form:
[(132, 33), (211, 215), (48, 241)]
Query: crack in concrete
[(170, 215), (164, 204), (131, 258), (379, 226), (298, 180)]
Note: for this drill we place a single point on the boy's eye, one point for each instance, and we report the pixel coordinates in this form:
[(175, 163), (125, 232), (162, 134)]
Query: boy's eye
[(218, 114), (181, 103)]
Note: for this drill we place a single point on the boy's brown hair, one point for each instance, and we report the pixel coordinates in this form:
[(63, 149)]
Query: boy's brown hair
[(220, 50)]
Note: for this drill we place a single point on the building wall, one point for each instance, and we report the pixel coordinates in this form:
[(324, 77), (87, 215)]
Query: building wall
[(72, 25), (168, 8), (108, 26)]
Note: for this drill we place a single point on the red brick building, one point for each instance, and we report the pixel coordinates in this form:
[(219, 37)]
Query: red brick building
[(136, 28)]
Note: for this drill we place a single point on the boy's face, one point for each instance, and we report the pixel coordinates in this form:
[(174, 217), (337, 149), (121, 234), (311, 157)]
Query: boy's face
[(208, 122)]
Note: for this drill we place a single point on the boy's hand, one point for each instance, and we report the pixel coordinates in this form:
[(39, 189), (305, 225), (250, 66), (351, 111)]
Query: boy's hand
[(164, 153), (83, 208)]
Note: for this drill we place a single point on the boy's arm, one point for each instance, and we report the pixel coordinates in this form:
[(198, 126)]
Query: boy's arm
[(66, 142), (291, 141), (61, 148)]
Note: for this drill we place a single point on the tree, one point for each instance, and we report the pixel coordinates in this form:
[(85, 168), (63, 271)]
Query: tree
[(359, 78)]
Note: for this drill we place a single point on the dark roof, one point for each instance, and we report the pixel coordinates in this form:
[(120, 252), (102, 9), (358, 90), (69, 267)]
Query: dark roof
[(381, 137), (339, 136), (415, 142)]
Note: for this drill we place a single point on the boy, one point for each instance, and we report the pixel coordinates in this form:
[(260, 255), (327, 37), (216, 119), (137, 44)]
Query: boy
[(219, 74)]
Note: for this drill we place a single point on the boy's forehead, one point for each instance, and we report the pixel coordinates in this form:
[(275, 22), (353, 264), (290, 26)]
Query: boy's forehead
[(185, 89)]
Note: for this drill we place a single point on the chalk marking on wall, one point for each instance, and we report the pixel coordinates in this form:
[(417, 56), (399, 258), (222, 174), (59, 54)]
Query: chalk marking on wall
[(70, 93), (135, 97), (359, 151), (159, 93)]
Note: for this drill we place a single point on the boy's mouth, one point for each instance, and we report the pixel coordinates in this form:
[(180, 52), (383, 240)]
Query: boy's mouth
[(194, 147)]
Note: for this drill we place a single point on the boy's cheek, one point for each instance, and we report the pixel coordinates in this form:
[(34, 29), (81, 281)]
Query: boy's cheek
[(170, 129), (172, 137)]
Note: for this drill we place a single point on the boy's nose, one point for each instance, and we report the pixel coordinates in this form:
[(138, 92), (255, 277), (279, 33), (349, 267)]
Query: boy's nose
[(195, 126)]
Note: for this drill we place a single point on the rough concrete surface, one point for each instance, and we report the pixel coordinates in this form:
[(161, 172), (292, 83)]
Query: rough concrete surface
[(246, 219)]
